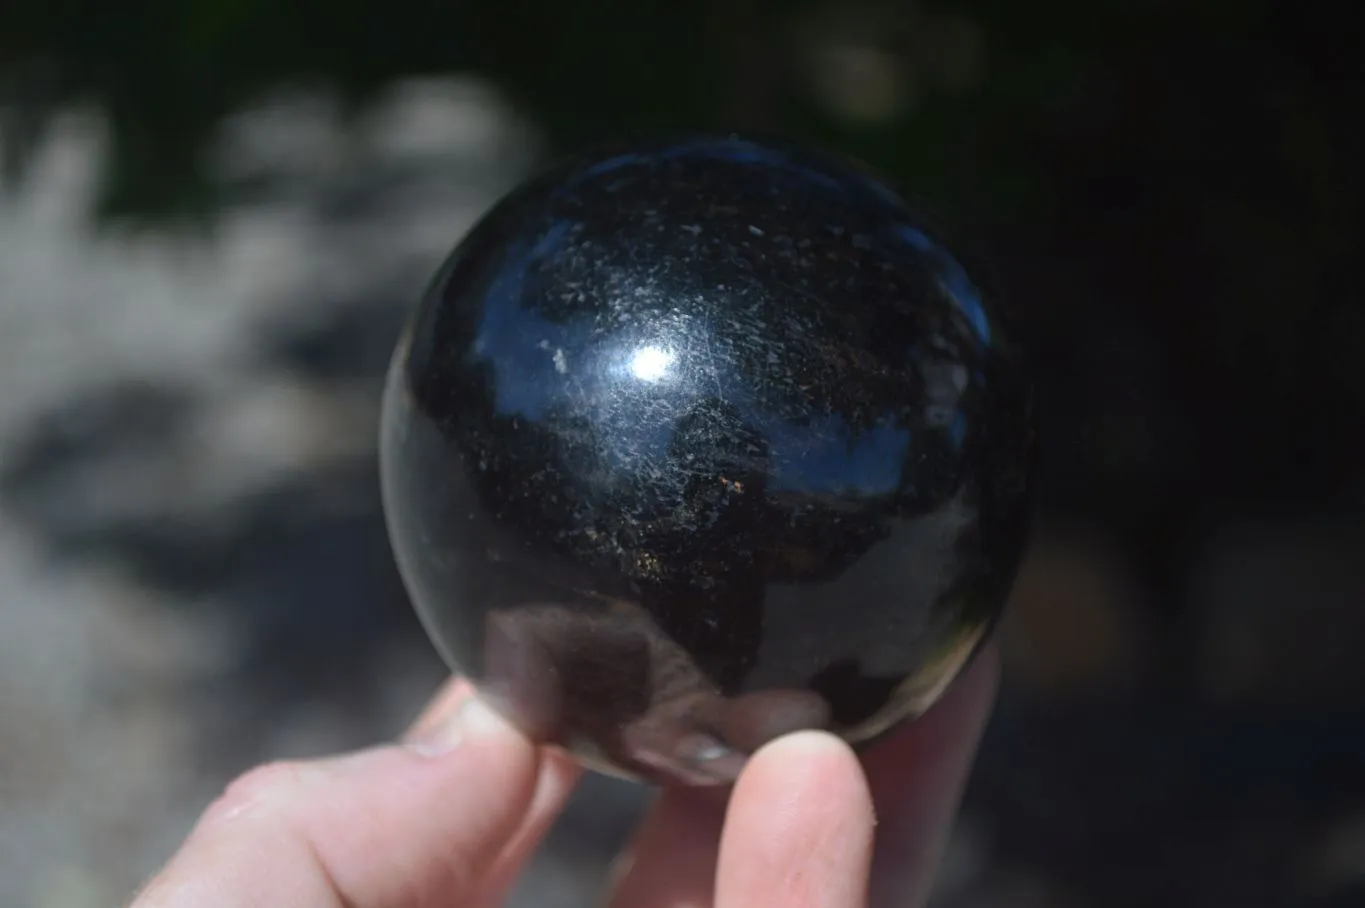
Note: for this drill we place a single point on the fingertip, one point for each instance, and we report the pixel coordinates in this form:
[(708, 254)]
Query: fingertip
[(800, 827), (816, 761), (808, 746)]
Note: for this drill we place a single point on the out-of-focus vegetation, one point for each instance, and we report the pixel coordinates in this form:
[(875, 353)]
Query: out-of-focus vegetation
[(965, 98)]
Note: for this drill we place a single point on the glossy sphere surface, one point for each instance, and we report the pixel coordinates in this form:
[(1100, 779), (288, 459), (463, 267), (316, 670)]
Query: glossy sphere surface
[(694, 444)]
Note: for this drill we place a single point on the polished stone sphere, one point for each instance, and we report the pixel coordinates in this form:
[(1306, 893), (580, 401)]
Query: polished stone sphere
[(692, 444)]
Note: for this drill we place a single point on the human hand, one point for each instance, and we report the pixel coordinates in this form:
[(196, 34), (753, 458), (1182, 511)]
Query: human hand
[(449, 817)]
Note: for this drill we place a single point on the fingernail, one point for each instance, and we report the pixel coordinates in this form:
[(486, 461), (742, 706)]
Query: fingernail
[(473, 718)]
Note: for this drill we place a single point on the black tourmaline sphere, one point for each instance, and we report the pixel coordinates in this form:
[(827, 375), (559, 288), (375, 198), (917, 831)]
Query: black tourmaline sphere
[(697, 443)]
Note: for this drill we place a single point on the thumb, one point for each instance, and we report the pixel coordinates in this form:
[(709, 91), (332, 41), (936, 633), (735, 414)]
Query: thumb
[(400, 826)]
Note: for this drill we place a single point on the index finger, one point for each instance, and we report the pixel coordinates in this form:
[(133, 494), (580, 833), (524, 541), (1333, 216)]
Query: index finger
[(400, 826)]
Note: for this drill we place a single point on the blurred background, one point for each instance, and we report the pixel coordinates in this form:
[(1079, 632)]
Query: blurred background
[(217, 213)]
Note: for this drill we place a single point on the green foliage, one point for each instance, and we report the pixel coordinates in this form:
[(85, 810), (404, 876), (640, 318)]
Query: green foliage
[(168, 70)]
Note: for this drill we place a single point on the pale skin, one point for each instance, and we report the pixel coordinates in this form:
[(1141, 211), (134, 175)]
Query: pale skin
[(448, 817)]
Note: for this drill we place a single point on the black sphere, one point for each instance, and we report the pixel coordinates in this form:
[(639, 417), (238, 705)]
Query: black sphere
[(697, 443)]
